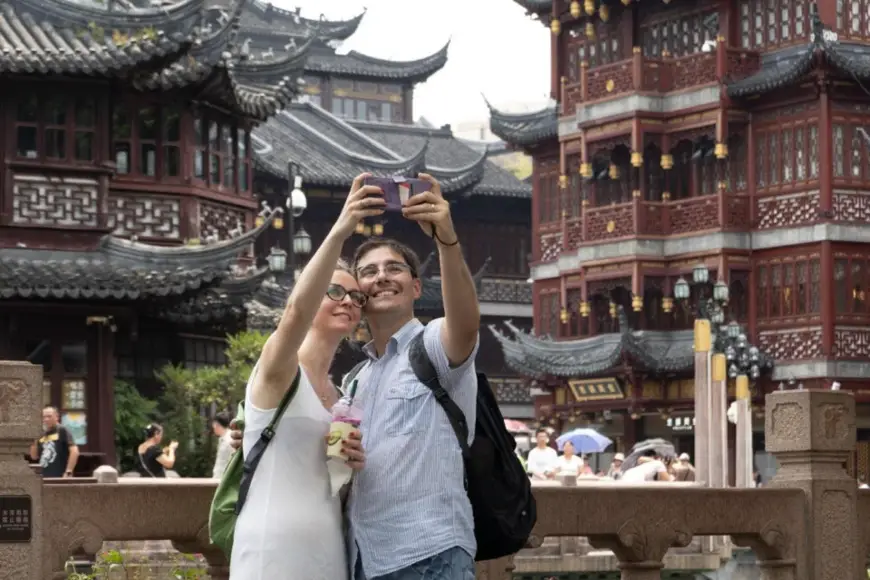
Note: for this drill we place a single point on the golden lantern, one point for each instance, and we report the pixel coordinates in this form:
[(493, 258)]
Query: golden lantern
[(590, 30), (636, 159), (259, 221), (635, 194), (613, 310), (604, 12), (626, 2), (555, 26), (563, 316), (278, 223), (563, 182), (378, 229), (667, 161), (586, 170), (589, 5), (584, 309), (360, 228), (721, 150), (636, 303), (575, 9), (667, 304), (613, 172), (367, 231), (666, 196)]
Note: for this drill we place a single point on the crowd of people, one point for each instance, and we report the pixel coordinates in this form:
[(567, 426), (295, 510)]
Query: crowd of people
[(543, 462)]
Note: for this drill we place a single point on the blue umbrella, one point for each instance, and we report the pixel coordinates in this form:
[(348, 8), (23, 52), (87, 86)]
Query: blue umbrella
[(584, 440)]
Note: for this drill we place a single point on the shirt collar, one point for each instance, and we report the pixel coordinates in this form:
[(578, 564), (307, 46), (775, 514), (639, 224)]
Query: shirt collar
[(397, 342)]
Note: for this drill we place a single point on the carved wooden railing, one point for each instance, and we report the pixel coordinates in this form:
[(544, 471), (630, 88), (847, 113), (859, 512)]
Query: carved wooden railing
[(808, 523), (657, 75), (723, 210)]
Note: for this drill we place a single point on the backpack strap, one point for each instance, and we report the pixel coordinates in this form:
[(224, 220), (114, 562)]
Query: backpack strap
[(252, 460), (351, 375), (425, 371)]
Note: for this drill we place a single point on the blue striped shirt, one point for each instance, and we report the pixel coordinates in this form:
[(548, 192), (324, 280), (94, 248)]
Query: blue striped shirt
[(409, 503)]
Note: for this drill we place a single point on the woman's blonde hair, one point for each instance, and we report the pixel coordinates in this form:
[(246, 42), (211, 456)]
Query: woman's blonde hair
[(344, 266)]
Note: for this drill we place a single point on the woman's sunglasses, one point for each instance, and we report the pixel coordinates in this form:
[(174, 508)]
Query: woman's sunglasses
[(337, 292)]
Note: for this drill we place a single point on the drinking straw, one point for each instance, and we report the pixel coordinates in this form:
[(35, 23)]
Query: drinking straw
[(353, 389)]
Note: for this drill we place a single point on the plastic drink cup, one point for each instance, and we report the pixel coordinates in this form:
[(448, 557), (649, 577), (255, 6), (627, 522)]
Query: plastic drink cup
[(339, 431)]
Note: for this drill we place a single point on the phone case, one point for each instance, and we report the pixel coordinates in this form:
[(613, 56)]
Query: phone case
[(398, 190)]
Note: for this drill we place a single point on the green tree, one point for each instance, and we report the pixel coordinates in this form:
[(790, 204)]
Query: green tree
[(189, 395), (132, 413)]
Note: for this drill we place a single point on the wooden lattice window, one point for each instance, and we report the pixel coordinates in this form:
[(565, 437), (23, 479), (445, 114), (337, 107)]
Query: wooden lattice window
[(85, 118), (786, 153), (243, 160), (790, 287), (853, 18), (57, 128), (200, 145), (766, 23), (171, 135), (679, 36), (148, 132), (549, 209), (852, 285)]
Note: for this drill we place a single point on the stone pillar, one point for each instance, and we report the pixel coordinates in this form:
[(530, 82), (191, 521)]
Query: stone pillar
[(718, 432), (744, 459), (702, 401), (21, 543), (811, 434)]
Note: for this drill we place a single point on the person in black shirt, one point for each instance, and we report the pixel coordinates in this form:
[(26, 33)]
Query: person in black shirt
[(152, 460), (56, 450)]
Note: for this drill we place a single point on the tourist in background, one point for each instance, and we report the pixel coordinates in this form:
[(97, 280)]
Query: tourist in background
[(220, 425), (650, 467), (56, 451), (542, 459), (568, 463), (153, 461), (615, 471), (683, 469)]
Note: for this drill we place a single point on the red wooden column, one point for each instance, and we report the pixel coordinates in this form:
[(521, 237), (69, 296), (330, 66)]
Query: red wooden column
[(826, 168), (554, 54)]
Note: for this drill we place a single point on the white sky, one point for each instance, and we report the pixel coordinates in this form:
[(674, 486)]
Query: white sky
[(495, 49)]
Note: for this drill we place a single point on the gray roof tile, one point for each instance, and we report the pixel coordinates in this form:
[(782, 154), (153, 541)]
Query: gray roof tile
[(331, 152), (524, 129)]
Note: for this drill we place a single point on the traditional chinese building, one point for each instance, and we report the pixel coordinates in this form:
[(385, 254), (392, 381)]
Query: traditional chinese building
[(727, 134), (126, 198)]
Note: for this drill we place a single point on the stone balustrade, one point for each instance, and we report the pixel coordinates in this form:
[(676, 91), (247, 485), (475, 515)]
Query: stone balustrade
[(807, 524)]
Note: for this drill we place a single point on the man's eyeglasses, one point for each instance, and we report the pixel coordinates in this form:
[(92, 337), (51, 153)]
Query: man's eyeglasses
[(337, 292), (390, 270)]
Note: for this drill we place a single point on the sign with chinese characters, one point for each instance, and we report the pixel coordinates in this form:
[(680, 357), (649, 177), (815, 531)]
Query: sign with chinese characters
[(16, 516), (595, 389), (681, 423)]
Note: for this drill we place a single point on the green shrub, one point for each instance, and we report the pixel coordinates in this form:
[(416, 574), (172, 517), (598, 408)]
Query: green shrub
[(132, 413)]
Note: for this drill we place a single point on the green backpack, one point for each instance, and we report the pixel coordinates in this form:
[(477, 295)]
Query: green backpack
[(236, 480)]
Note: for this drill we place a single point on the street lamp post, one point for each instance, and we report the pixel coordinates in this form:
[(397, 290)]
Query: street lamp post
[(745, 363), (710, 396), (296, 204)]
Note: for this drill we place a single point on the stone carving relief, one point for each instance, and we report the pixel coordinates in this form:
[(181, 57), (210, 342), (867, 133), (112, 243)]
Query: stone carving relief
[(770, 544), (835, 426), (787, 210), (64, 538), (56, 201), (644, 542), (10, 390), (786, 422), (146, 216), (835, 510)]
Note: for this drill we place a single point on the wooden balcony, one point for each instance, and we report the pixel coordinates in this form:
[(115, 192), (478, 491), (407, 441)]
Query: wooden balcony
[(641, 74), (639, 218), (810, 522)]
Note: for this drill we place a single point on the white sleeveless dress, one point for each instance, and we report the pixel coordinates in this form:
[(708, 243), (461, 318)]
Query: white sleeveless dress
[(290, 526)]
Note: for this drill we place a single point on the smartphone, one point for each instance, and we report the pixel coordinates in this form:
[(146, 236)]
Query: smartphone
[(398, 190)]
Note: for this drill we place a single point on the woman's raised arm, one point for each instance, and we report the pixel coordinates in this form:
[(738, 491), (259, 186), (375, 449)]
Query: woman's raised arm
[(279, 360)]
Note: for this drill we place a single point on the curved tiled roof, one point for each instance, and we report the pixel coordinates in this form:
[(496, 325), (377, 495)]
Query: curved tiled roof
[(37, 38), (266, 18), (785, 67), (360, 65), (123, 270), (524, 129), (652, 351), (111, 15), (331, 152)]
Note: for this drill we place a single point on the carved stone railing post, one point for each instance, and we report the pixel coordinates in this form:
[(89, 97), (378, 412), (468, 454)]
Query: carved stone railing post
[(641, 545), (811, 434), (21, 544)]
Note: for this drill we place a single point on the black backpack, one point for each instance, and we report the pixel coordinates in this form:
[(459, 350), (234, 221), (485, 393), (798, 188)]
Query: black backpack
[(498, 487)]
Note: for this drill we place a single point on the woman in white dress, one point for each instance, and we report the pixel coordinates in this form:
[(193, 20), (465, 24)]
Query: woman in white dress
[(290, 525)]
